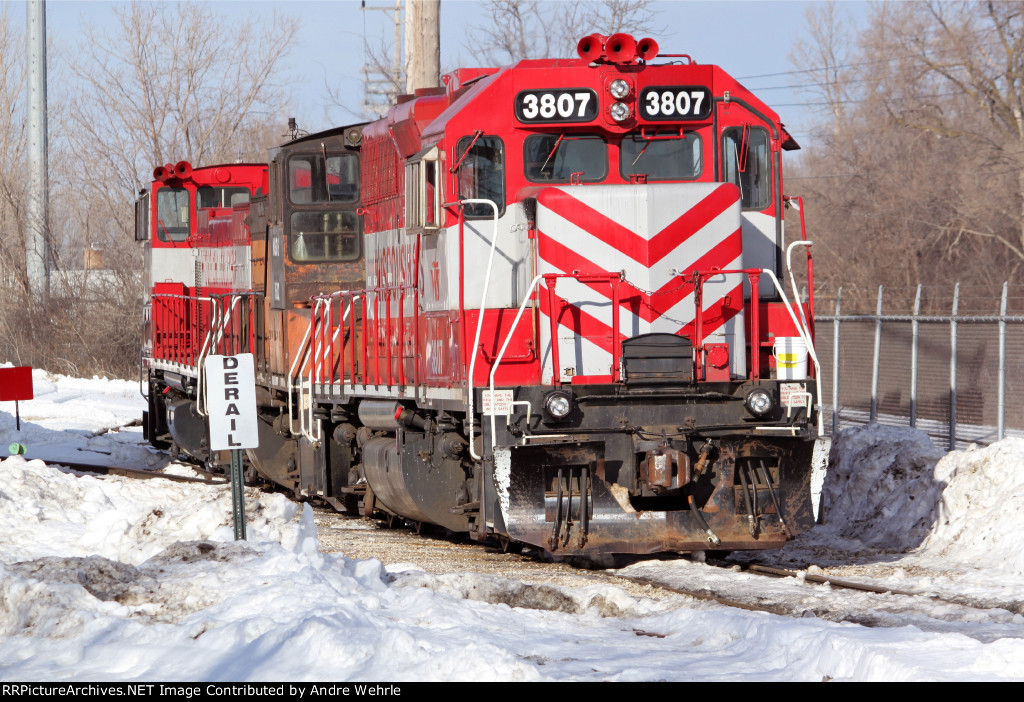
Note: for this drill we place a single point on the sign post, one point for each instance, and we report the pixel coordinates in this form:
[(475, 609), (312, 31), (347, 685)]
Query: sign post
[(231, 402)]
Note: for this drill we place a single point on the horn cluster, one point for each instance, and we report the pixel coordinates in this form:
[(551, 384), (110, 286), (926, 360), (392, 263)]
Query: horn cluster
[(182, 170), (618, 48)]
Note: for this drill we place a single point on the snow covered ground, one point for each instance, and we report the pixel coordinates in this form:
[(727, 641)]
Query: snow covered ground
[(118, 579)]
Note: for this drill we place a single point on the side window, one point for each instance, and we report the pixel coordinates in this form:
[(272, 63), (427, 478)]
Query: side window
[(210, 196), (746, 161), (422, 192), (481, 173), (142, 220), (172, 214)]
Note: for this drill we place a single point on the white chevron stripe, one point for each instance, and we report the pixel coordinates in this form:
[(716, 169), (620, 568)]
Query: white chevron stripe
[(607, 257), (658, 204)]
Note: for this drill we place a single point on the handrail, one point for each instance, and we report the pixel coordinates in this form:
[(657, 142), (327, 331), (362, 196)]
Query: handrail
[(159, 322), (302, 354), (213, 337), (480, 317), (804, 333), (504, 346), (613, 279), (792, 280)]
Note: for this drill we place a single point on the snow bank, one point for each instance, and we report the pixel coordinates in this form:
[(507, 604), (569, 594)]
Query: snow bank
[(70, 419), (980, 510), (891, 489), (880, 489), (46, 511)]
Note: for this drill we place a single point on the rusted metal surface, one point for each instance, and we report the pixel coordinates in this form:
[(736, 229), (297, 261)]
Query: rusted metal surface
[(550, 484)]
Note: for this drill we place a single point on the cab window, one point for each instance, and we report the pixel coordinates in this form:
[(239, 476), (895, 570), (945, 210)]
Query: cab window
[(746, 162), (564, 158), (677, 157), (314, 179), (481, 174), (172, 214), (209, 196), (324, 236)]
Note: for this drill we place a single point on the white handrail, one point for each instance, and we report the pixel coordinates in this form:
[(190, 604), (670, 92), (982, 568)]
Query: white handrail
[(296, 367), (792, 279), (216, 330), (480, 320), (313, 359), (504, 347), (806, 336)]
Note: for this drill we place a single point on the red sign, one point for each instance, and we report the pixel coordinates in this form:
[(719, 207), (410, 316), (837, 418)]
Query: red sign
[(16, 383)]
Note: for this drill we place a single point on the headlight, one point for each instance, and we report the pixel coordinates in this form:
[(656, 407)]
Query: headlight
[(558, 404), (759, 402), (620, 111), (618, 88)]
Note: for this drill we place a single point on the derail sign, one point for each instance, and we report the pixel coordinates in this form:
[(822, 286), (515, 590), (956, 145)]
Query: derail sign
[(231, 402)]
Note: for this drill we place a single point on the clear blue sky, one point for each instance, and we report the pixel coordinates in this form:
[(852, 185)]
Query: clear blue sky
[(751, 40)]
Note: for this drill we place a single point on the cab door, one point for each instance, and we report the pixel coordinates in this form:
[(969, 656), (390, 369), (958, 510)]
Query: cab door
[(748, 156)]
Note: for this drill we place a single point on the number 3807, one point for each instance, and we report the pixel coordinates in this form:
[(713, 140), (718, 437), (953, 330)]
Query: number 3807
[(675, 103)]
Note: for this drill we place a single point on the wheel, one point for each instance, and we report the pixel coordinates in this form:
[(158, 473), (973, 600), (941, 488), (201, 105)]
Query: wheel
[(507, 545)]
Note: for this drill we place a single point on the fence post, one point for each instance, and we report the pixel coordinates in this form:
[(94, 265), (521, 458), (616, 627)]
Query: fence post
[(913, 358), (835, 363), (878, 353), (952, 367), (1001, 404)]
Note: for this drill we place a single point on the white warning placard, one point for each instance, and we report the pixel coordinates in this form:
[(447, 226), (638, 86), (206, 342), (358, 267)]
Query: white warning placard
[(500, 403), (231, 402), (794, 395)]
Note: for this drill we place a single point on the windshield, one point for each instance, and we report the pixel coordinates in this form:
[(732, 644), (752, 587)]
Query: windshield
[(310, 180), (325, 236), (671, 158), (172, 214), (558, 158)]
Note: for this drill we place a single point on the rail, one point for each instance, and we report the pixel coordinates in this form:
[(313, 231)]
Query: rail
[(224, 323), (754, 275), (357, 317)]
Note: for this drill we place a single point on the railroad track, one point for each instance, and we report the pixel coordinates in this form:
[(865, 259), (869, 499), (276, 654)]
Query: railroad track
[(782, 592), (796, 593), (139, 474)]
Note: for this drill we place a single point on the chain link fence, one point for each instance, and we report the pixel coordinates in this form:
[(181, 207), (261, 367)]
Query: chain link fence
[(949, 361)]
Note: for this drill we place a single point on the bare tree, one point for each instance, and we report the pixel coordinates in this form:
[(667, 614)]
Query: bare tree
[(972, 55), (168, 83), (522, 29), (916, 172), (12, 152), (825, 51)]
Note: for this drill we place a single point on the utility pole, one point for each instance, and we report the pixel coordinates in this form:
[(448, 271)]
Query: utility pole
[(422, 44), (380, 84), (37, 248)]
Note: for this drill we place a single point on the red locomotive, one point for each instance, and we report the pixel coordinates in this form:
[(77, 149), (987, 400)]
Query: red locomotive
[(540, 305), (197, 254)]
